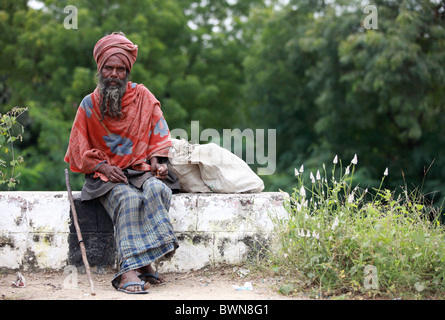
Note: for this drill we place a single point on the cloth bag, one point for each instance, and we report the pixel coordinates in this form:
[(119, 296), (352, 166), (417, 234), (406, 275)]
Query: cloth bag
[(188, 174), (211, 168)]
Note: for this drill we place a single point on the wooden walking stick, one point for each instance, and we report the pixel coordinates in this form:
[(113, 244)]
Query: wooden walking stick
[(79, 234)]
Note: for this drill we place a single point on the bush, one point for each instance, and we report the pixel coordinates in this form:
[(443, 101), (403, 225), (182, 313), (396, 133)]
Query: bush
[(341, 240)]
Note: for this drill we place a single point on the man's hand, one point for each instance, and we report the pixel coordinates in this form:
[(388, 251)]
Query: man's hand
[(159, 170), (113, 173)]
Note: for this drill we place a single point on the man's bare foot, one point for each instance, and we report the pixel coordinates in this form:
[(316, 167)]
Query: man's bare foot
[(154, 279), (131, 276)]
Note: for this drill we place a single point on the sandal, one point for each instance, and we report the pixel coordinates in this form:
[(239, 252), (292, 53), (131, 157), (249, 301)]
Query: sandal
[(125, 286), (155, 276)]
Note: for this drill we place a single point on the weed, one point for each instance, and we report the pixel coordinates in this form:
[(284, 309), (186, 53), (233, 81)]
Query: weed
[(7, 137), (342, 241)]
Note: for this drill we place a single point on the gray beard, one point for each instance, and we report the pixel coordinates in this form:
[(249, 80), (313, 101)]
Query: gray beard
[(111, 96)]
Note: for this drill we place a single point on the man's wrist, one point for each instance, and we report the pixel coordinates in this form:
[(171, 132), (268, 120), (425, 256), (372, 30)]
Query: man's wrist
[(101, 166), (153, 161)]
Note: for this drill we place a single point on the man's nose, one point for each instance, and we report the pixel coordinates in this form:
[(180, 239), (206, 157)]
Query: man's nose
[(114, 73)]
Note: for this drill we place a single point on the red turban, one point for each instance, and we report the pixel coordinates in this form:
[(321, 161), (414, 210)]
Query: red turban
[(115, 44)]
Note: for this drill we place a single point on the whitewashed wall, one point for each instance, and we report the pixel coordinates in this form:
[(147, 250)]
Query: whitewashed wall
[(211, 229)]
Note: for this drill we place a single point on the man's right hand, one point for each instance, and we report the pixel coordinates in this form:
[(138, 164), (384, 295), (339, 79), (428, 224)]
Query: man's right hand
[(113, 173)]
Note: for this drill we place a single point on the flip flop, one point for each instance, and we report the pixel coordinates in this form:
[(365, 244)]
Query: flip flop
[(125, 286), (155, 276)]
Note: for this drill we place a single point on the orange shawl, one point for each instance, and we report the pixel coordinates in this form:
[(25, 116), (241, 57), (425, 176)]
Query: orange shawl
[(140, 134)]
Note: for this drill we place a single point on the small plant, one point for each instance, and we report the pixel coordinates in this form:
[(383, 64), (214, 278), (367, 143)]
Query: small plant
[(8, 124), (342, 240)]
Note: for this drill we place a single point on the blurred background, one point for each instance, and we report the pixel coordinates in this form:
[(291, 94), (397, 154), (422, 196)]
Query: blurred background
[(313, 70)]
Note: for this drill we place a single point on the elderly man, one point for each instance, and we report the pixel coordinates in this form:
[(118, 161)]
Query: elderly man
[(120, 141)]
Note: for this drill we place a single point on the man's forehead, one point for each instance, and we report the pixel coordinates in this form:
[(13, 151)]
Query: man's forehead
[(114, 61)]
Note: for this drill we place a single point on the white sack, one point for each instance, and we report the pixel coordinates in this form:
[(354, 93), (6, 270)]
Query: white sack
[(211, 168), (188, 174)]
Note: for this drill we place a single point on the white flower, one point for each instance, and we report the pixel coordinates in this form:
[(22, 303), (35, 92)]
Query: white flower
[(335, 160), (354, 160), (386, 172), (351, 198), (347, 171), (296, 172), (302, 168), (303, 192), (308, 234), (318, 176), (335, 224), (312, 178), (315, 235)]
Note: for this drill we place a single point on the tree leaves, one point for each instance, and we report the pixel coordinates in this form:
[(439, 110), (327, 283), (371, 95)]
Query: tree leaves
[(360, 91), (308, 69)]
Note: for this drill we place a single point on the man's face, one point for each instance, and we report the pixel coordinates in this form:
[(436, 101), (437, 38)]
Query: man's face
[(114, 68), (112, 84)]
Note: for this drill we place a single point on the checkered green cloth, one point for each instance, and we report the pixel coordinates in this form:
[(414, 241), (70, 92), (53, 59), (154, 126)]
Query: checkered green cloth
[(142, 226)]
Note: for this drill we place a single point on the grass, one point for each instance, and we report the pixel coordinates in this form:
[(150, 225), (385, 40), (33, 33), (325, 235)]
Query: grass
[(340, 241)]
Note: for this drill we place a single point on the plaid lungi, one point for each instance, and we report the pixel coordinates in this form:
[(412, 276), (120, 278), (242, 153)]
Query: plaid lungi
[(143, 231)]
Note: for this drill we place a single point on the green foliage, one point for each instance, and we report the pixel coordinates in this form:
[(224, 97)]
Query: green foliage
[(8, 159), (334, 233), (330, 86), (308, 69), (188, 57)]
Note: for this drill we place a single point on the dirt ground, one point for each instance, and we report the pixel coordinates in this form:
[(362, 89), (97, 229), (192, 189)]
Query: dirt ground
[(216, 284)]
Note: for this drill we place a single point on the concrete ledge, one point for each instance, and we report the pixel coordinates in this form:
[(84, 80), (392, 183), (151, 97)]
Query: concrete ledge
[(37, 233)]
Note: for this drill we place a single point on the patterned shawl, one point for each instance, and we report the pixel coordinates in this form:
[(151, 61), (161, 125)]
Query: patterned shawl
[(140, 134)]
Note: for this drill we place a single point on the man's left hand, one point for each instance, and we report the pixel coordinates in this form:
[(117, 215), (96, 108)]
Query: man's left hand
[(161, 170)]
